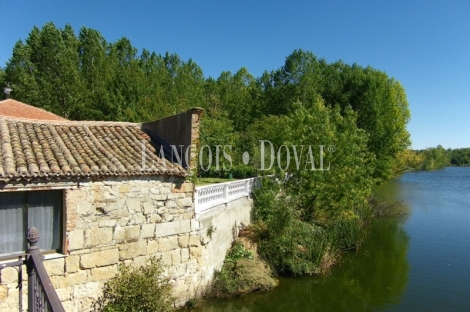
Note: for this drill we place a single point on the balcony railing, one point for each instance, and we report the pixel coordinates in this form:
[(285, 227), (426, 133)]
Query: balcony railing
[(42, 296), (211, 196)]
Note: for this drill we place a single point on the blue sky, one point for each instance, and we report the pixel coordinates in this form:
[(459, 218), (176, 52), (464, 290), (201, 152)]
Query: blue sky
[(423, 44)]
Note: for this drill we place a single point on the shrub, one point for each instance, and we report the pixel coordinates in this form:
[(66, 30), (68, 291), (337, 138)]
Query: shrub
[(137, 289), (241, 273), (295, 239)]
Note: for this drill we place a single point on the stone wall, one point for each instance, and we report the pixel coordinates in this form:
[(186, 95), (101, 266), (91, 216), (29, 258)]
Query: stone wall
[(126, 221)]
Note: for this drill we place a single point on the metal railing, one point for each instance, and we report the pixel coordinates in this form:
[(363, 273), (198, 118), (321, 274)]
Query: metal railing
[(42, 296), (210, 196)]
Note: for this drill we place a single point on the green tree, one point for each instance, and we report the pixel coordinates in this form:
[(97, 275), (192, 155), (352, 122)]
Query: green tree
[(95, 74), (435, 158), (317, 212), (238, 95), (3, 82), (379, 101), (45, 70), (459, 156)]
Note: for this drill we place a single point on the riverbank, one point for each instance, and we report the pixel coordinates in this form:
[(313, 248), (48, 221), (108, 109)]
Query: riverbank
[(245, 270), (417, 263)]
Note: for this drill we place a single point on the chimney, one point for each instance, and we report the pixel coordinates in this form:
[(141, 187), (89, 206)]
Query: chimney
[(7, 90), (180, 131)]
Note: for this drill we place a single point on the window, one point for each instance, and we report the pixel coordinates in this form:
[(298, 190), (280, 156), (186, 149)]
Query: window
[(20, 211)]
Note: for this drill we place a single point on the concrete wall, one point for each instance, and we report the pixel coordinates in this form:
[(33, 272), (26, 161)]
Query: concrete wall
[(224, 222), (126, 221), (178, 130)]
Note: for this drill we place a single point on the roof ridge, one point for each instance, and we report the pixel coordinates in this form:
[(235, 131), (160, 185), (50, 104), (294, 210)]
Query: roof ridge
[(72, 122)]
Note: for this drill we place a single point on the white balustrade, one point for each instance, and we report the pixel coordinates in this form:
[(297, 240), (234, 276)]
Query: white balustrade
[(210, 196)]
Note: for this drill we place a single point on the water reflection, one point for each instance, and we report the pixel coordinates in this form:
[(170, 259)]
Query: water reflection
[(421, 264), (371, 279)]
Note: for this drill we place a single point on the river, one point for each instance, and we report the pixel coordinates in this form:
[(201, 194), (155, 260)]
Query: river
[(418, 263)]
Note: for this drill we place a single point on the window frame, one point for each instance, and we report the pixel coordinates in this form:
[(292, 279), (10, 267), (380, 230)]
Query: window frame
[(26, 206)]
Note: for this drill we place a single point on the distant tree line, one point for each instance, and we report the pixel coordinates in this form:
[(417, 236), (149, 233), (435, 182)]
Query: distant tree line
[(432, 158), (459, 156)]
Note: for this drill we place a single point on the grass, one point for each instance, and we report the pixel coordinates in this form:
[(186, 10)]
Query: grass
[(208, 181)]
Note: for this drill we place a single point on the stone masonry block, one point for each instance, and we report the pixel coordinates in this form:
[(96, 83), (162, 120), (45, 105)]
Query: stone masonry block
[(194, 241), (172, 228), (98, 236), (137, 218), (90, 290), (75, 196), (107, 223), (133, 204), (183, 241), (64, 294), (176, 195), (185, 202), (149, 207), (127, 233), (76, 239), (167, 243), (55, 266), (176, 257), (148, 230), (132, 250), (3, 292), (85, 208), (152, 247), (158, 197), (166, 258), (187, 215), (69, 280), (99, 258), (196, 252), (10, 275), (72, 264), (124, 188), (195, 225), (103, 273), (183, 188), (184, 255)]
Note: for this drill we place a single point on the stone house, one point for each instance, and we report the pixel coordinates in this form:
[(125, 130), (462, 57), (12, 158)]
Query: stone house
[(100, 194)]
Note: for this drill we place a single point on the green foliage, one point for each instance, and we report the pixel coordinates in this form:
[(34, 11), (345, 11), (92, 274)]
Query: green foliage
[(3, 83), (407, 160), (434, 158), (210, 230), (137, 289), (459, 156), (379, 101), (241, 273), (86, 77), (312, 215), (238, 252)]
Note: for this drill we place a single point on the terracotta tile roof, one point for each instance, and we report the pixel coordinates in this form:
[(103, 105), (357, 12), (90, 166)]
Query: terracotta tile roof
[(40, 149), (17, 109)]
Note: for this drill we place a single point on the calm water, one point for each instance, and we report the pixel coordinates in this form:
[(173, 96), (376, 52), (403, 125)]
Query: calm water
[(418, 264)]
